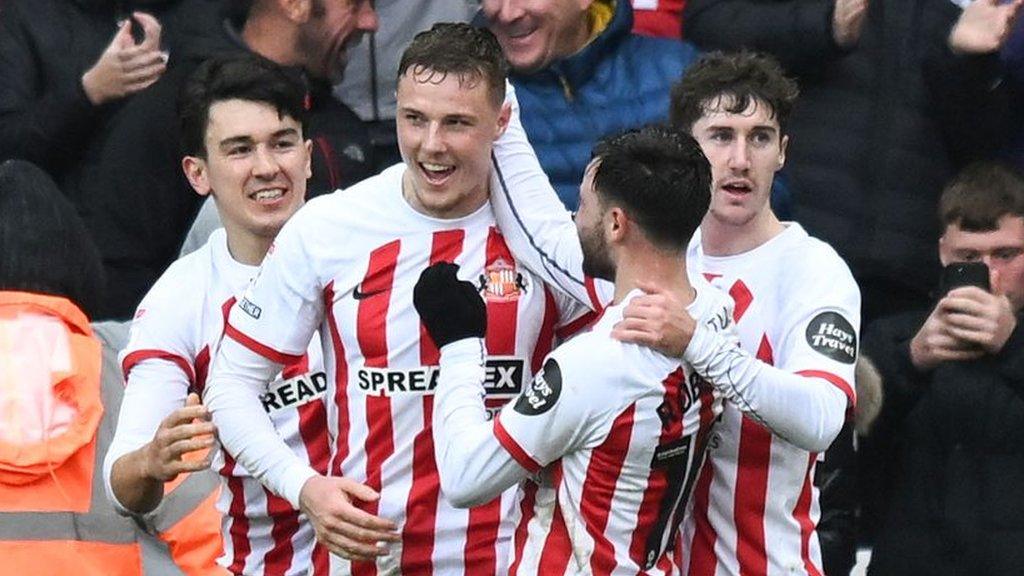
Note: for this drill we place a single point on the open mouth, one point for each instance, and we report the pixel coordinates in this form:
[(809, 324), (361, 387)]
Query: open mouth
[(268, 196), (436, 174), (737, 188)]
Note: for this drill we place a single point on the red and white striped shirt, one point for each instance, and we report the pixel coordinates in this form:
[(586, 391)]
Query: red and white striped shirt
[(613, 434), (346, 263), (168, 354), (755, 506)]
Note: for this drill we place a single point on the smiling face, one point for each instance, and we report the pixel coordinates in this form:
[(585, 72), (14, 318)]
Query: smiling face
[(333, 27), (745, 151), (256, 167), (447, 125), (535, 33)]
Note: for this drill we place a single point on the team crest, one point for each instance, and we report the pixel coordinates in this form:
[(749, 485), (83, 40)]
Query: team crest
[(500, 282)]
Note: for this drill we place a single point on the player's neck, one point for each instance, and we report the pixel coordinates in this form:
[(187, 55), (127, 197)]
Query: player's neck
[(248, 249), (721, 238), (653, 266)]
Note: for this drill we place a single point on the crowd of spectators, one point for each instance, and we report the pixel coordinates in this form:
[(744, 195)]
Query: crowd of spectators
[(897, 98)]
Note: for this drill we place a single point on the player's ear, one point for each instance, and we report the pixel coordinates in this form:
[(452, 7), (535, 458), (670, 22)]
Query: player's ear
[(195, 170), (782, 152), (616, 224), (504, 115), (309, 159)]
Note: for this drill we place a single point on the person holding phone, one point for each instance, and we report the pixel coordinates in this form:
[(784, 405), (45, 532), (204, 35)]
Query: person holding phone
[(954, 385)]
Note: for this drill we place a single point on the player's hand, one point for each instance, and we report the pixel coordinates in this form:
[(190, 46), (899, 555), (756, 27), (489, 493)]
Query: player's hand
[(983, 26), (185, 431), (657, 319), (451, 309), (330, 505), (848, 19), (125, 67)]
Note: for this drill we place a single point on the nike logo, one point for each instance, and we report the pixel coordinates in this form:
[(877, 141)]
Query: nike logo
[(360, 295)]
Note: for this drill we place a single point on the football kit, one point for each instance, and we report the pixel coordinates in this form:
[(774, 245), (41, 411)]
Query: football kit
[(796, 395), (346, 263), (755, 506), (175, 328), (607, 441)]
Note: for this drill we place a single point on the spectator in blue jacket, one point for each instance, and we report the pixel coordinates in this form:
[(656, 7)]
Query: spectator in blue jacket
[(581, 74)]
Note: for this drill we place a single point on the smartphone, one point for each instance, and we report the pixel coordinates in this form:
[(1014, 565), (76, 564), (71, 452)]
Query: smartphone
[(957, 274)]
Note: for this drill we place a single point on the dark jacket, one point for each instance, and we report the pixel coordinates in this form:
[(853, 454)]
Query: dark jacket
[(957, 508), (620, 80), (133, 195), (45, 47), (876, 132)]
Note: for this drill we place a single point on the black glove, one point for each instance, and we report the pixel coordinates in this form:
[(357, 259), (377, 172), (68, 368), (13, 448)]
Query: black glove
[(451, 309)]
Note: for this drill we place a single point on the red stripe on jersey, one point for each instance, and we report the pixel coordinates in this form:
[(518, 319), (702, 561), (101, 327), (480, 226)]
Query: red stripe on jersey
[(321, 560), (371, 333), (554, 557), (702, 550), (595, 301), (202, 370), (340, 382), (239, 530), (421, 506), (751, 495), (327, 151), (546, 336), (754, 458), (480, 552), (513, 448), (278, 559), (131, 360), (843, 385), (657, 481), (261, 349), (296, 368), (742, 296), (599, 488), (578, 325), (314, 434), (527, 509), (802, 515)]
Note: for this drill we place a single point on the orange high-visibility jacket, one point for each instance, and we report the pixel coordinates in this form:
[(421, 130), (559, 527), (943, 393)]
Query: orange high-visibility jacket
[(54, 515)]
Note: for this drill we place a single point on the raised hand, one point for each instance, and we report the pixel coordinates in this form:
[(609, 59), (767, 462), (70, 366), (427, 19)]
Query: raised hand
[(983, 26), (848, 19), (451, 309), (125, 67)]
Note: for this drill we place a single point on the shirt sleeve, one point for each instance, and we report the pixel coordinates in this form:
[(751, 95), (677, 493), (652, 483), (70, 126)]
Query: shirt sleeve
[(268, 328), (478, 459), (801, 408), (158, 366), (537, 227)]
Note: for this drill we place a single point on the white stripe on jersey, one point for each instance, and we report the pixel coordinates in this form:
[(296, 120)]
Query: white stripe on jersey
[(628, 429), (755, 508), (348, 263), (183, 316)]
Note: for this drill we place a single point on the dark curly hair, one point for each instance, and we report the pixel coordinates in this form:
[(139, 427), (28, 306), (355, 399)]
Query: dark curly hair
[(740, 77)]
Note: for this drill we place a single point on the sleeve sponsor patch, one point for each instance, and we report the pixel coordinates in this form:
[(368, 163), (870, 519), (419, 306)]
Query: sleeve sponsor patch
[(543, 392), (832, 335)]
